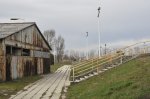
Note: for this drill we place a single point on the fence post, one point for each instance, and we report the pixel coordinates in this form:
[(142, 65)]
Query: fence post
[(97, 65), (146, 49), (73, 74), (92, 63), (111, 60), (121, 59)]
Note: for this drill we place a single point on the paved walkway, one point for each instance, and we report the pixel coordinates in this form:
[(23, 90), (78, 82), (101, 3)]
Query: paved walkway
[(50, 87)]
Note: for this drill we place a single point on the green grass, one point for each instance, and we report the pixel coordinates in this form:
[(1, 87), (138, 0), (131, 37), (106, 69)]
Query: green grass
[(128, 81), (58, 65), (12, 87)]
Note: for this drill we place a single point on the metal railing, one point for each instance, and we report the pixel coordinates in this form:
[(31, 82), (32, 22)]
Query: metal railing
[(115, 57)]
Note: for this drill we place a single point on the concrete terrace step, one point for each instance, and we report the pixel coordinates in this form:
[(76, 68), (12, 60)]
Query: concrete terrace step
[(104, 69), (82, 79), (109, 67), (86, 77), (91, 75), (88, 74), (94, 74)]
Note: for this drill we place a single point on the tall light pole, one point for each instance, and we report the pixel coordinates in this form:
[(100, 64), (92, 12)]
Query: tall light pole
[(54, 49), (99, 39), (87, 53), (105, 49)]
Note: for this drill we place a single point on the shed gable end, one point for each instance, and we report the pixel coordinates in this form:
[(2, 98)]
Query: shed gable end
[(30, 36)]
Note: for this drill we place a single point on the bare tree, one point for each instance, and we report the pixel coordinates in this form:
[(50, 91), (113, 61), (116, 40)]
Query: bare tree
[(75, 55), (91, 53), (60, 45), (49, 35)]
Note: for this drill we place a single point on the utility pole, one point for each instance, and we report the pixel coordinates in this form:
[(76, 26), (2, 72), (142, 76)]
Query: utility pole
[(105, 49), (99, 39), (87, 53), (101, 50), (144, 47), (54, 50)]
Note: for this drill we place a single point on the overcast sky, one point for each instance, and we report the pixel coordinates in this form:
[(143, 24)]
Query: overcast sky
[(121, 21)]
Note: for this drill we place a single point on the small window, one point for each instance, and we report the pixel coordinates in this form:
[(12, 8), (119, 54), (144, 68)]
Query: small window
[(16, 51), (8, 50), (26, 52)]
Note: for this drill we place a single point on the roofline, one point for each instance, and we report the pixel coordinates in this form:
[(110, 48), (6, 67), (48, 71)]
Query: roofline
[(33, 24), (18, 30), (43, 37), (19, 23)]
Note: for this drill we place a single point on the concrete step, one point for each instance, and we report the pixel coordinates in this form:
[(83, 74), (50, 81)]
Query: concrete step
[(109, 67), (104, 69), (90, 75), (76, 81), (100, 71), (67, 83), (95, 73), (114, 65), (65, 89), (86, 77), (82, 79)]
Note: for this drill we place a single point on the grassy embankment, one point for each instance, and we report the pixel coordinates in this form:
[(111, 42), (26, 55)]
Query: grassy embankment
[(12, 87), (129, 81)]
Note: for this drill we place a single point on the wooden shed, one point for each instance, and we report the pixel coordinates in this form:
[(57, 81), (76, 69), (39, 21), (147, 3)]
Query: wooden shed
[(23, 51)]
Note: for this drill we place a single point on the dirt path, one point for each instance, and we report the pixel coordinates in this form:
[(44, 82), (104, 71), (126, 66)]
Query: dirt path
[(49, 87)]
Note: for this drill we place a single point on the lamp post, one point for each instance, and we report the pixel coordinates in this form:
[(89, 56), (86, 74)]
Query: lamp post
[(105, 49), (54, 50), (99, 39), (144, 47), (87, 53)]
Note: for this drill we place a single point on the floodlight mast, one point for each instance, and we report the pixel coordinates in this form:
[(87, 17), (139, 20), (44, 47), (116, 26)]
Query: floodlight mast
[(99, 38), (87, 52)]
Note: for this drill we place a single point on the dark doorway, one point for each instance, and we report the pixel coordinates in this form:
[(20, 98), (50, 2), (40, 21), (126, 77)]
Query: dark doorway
[(8, 50), (8, 64), (46, 65)]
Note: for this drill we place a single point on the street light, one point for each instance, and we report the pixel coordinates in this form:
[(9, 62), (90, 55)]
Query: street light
[(87, 53), (105, 49), (54, 50), (99, 39)]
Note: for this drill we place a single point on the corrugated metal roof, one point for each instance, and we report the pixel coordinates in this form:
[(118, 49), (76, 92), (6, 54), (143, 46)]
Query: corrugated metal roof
[(7, 29)]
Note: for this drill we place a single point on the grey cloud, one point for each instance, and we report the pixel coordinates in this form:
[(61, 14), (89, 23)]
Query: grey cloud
[(120, 20)]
